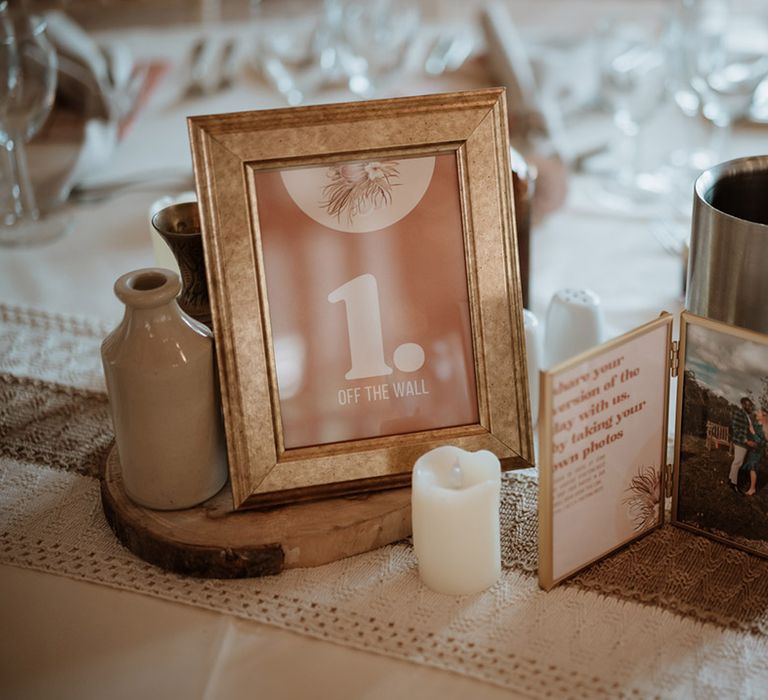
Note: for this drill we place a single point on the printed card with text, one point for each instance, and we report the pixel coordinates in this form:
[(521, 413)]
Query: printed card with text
[(369, 305), (603, 437)]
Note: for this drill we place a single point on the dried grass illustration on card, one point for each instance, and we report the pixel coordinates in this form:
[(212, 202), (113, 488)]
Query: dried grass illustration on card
[(643, 501), (358, 188)]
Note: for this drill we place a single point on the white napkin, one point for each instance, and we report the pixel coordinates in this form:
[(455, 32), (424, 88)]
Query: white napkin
[(94, 91), (510, 66)]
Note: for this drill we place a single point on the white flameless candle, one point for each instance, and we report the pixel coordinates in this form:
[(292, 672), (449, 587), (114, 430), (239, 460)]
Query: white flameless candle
[(455, 512)]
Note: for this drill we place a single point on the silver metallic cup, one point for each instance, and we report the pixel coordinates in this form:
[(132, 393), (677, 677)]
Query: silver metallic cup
[(728, 264)]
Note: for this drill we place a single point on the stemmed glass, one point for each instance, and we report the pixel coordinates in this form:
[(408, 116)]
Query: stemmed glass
[(724, 59), (379, 34), (717, 58), (633, 78), (306, 54), (27, 88), (360, 44)]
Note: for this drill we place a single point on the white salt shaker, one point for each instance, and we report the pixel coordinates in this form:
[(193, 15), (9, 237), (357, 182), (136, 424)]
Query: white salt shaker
[(574, 324), (533, 351)]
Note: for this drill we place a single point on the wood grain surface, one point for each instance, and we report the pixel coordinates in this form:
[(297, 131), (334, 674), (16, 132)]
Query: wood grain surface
[(212, 541)]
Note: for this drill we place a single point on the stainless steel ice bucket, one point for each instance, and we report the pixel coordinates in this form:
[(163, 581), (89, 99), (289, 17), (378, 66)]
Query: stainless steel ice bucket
[(728, 264)]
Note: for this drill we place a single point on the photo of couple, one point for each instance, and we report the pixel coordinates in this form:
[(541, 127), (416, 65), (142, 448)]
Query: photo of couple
[(723, 462), (748, 441)]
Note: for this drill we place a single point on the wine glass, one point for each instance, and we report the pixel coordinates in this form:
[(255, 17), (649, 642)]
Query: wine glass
[(306, 54), (633, 78), (725, 59), (717, 56), (379, 34), (689, 157), (27, 88)]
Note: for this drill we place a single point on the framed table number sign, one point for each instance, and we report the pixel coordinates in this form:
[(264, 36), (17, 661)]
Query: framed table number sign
[(364, 286)]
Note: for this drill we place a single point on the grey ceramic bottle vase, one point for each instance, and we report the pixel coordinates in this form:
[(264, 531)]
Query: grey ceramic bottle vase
[(159, 367)]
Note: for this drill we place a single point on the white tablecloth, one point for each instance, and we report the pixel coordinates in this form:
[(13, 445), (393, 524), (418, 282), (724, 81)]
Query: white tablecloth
[(65, 638)]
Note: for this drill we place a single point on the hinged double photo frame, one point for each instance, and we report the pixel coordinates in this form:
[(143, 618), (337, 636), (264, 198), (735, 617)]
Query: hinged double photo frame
[(604, 470)]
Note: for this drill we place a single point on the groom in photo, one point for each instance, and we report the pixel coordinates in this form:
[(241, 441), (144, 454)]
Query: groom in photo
[(743, 438)]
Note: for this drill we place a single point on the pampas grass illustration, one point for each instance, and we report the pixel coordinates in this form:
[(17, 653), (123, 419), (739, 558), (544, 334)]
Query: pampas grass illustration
[(357, 188), (643, 501)]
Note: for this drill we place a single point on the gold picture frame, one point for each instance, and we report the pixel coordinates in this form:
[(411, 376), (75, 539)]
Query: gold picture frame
[(690, 513), (720, 370), (229, 151)]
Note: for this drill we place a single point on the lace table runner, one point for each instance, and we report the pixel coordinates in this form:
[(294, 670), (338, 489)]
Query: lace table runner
[(672, 615)]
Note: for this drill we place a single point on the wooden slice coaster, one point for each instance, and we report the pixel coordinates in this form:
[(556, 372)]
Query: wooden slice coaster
[(212, 541)]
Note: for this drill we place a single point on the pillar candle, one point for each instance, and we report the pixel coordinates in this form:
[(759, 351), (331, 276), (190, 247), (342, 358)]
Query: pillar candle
[(455, 504)]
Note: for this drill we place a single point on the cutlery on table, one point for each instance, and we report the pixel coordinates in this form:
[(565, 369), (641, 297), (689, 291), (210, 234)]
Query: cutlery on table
[(172, 179), (226, 67), (448, 53), (195, 85)]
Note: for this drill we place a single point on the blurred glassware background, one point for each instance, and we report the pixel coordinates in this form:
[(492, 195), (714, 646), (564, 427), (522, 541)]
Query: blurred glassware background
[(631, 64), (28, 70), (674, 95), (720, 57), (359, 44), (626, 99)]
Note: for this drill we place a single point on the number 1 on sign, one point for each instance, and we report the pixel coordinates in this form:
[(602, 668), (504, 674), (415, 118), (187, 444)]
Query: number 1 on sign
[(366, 343)]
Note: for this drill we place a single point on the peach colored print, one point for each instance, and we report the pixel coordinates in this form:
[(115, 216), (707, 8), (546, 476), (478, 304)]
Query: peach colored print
[(418, 264)]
